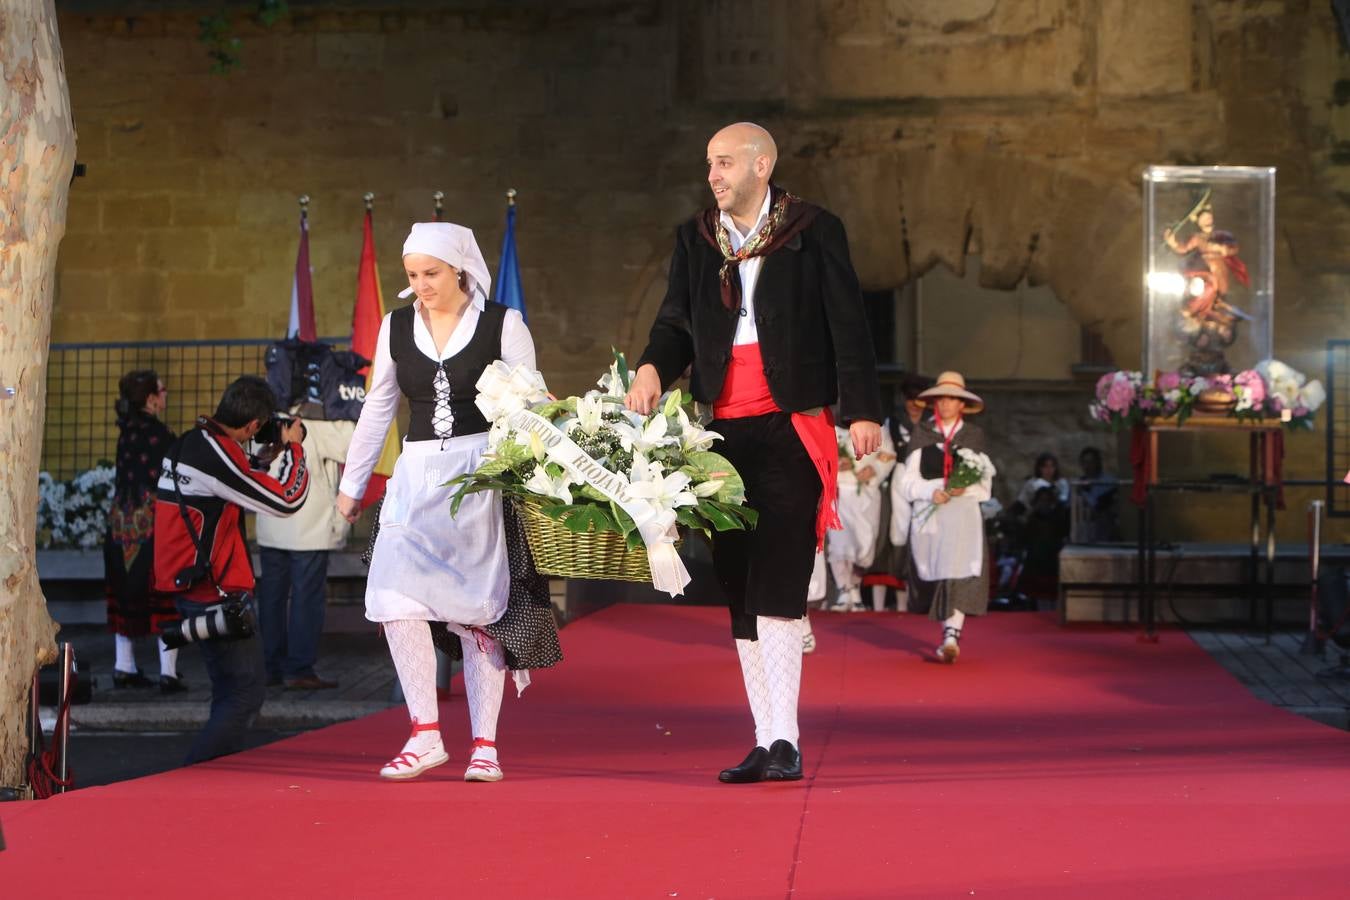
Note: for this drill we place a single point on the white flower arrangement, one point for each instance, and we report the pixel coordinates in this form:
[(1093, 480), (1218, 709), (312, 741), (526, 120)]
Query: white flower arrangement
[(74, 513), (661, 461)]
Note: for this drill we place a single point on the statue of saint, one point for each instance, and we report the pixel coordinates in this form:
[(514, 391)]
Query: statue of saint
[(1209, 260)]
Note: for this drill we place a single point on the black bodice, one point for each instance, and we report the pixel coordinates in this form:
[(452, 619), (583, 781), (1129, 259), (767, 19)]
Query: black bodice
[(424, 381)]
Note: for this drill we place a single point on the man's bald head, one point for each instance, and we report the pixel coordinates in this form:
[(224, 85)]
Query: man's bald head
[(749, 138), (741, 158)]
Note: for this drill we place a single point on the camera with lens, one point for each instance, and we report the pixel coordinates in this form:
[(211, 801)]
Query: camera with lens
[(229, 620), (270, 432)]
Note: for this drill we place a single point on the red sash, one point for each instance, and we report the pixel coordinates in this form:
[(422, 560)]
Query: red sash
[(746, 393)]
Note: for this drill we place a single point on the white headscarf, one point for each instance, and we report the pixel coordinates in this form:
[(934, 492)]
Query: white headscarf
[(455, 245)]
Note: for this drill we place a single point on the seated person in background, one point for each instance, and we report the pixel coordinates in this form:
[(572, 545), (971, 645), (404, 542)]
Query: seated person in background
[(1045, 474), (1095, 495), (1043, 534)]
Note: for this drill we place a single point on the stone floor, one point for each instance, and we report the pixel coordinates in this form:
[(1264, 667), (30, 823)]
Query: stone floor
[(1278, 672)]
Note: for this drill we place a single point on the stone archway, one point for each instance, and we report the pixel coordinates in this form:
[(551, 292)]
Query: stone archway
[(1027, 219)]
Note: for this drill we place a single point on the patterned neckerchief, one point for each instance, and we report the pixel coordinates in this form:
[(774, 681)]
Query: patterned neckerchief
[(788, 215)]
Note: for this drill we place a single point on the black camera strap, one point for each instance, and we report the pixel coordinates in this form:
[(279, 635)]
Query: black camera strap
[(203, 557)]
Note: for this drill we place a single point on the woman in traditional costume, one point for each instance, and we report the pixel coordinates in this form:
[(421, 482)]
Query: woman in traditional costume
[(950, 578), (134, 610), (465, 583)]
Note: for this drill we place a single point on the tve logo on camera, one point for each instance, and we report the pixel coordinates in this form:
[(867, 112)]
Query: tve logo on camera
[(352, 392)]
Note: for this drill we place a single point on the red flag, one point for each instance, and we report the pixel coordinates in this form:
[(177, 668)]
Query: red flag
[(302, 291), (366, 318)]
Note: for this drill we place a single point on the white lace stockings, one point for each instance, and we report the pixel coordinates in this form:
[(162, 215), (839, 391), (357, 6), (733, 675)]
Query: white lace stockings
[(415, 661), (772, 669), (484, 681)]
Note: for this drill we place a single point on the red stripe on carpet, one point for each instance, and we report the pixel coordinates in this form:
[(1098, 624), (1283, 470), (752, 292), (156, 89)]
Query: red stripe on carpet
[(1047, 762)]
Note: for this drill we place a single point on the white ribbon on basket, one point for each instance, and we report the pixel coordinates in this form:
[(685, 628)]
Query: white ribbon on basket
[(504, 394)]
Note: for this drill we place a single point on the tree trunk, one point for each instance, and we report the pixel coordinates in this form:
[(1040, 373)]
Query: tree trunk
[(37, 158)]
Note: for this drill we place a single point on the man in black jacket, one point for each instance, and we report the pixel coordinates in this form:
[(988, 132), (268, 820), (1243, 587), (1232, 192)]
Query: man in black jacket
[(764, 303)]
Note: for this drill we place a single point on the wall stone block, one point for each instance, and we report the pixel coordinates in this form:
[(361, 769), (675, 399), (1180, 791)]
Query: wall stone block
[(132, 211)]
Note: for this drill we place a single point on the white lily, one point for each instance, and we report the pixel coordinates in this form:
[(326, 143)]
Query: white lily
[(692, 435), (611, 383), (708, 488), (642, 437), (664, 492), (541, 483), (537, 448), (589, 409)]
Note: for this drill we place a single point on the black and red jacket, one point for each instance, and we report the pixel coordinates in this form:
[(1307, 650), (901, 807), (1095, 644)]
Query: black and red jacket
[(218, 485)]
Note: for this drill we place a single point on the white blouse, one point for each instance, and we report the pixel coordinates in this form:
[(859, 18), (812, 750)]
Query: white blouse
[(382, 398)]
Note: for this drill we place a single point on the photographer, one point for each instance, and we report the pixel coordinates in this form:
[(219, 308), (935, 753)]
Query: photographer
[(207, 483)]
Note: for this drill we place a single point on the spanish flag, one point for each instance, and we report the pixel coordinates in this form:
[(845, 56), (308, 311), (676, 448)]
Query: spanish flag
[(366, 318)]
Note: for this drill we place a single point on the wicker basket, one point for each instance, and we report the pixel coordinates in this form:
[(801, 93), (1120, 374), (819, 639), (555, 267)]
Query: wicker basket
[(572, 554)]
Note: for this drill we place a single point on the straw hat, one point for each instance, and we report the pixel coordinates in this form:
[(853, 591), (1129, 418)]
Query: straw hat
[(952, 384)]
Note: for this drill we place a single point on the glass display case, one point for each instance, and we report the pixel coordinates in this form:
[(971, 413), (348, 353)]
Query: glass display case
[(1209, 269)]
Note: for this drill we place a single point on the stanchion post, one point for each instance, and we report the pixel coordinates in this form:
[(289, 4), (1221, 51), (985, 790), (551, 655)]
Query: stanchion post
[(35, 715), (1312, 644), (63, 692)]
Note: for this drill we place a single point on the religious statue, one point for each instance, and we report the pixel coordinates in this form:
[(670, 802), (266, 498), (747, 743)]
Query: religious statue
[(1209, 260)]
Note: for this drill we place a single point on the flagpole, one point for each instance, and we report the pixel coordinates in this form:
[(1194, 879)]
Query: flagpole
[(436, 208), (304, 206), (370, 201), (511, 197)]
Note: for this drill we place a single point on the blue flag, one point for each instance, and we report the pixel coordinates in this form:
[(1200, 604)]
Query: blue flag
[(508, 292)]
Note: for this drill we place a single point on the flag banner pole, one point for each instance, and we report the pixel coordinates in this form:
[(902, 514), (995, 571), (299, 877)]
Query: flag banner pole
[(366, 317), (507, 287), (436, 205), (302, 321)]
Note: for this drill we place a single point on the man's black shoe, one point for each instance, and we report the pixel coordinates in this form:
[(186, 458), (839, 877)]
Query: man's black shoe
[(751, 770), (785, 762), (130, 679)]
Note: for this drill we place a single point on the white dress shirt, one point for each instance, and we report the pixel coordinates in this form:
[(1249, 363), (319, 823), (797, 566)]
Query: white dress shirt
[(382, 398), (746, 331)]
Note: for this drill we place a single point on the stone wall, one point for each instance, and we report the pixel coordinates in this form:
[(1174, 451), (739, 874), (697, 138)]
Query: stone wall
[(1013, 128)]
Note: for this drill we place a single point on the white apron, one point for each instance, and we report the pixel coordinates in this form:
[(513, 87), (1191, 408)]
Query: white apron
[(427, 564)]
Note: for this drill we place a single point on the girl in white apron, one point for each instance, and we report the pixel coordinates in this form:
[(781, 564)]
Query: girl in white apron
[(429, 570)]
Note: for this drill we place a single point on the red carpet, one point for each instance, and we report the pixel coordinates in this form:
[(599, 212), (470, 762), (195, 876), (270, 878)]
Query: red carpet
[(1046, 763)]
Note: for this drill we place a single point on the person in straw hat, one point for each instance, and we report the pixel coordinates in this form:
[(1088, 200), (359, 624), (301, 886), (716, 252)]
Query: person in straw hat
[(464, 583), (949, 579)]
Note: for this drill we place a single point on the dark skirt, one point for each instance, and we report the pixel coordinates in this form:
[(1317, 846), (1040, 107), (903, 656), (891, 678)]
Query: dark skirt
[(528, 630), (890, 564), (134, 610), (942, 598), (766, 571)]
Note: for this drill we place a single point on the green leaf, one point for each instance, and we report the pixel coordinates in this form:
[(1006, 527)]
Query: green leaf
[(709, 465), (689, 517), (555, 408), (589, 492), (719, 517), (582, 517), (673, 400), (623, 519), (622, 362)]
